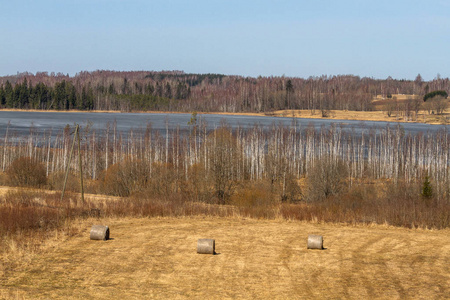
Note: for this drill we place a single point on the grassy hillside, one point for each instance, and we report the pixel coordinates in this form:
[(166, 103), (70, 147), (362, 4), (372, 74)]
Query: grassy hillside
[(257, 259)]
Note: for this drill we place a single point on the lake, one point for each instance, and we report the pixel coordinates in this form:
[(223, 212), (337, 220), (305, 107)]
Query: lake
[(20, 122)]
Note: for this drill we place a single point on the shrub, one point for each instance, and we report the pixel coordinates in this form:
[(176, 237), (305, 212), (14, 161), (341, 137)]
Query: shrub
[(255, 200), (124, 178), (291, 191), (26, 172), (197, 187), (253, 194), (56, 181), (326, 178), (163, 180)]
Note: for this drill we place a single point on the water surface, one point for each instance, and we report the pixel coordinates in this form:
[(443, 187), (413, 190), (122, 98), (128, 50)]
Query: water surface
[(20, 122)]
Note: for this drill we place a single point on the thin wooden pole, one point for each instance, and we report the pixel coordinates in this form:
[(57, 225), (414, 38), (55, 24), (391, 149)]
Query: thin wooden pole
[(80, 164), (68, 163)]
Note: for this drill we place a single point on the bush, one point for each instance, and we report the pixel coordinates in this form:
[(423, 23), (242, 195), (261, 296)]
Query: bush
[(56, 181), (197, 187), (292, 191), (254, 194), (326, 178), (124, 178), (26, 172), (255, 200)]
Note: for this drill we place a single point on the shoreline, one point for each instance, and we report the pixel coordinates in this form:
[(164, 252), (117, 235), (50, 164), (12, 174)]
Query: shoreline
[(372, 116)]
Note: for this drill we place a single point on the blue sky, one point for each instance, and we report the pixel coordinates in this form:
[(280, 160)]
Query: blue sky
[(250, 38)]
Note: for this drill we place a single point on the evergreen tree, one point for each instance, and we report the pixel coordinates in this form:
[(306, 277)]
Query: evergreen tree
[(59, 95), (158, 90), (71, 94), (90, 98), (149, 89), (111, 89), (2, 96), (41, 96), (23, 94), (289, 92), (82, 99), (427, 190), (167, 91), (16, 96)]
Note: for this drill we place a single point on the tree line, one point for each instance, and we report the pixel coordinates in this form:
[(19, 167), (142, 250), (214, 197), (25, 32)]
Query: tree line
[(179, 91)]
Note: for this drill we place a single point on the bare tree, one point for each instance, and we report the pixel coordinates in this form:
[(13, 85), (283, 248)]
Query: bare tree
[(439, 104)]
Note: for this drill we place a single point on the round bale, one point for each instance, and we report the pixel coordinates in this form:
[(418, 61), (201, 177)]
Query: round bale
[(315, 241), (99, 232), (206, 246)]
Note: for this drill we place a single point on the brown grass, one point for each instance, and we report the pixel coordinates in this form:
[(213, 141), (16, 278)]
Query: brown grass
[(156, 258), (377, 115)]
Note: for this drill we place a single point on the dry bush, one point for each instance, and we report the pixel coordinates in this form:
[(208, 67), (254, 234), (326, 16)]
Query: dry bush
[(163, 181), (253, 194), (255, 200), (25, 171), (326, 178), (197, 187), (56, 181), (291, 191), (114, 183), (3, 178), (124, 178)]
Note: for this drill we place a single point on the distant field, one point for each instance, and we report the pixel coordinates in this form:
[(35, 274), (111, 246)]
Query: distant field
[(378, 114), (257, 259)]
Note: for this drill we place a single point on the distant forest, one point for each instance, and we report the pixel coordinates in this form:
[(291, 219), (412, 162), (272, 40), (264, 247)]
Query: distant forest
[(179, 91)]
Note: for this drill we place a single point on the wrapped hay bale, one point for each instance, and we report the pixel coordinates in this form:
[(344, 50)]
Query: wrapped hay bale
[(315, 241), (206, 246), (99, 232)]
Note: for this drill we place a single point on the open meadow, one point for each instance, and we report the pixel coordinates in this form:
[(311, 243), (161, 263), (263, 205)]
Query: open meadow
[(256, 259)]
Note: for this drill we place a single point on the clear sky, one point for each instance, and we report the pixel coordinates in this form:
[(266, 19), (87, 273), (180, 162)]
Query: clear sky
[(293, 38)]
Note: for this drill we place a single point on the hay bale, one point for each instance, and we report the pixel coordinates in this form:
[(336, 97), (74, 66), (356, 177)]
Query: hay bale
[(206, 246), (99, 232), (315, 241)]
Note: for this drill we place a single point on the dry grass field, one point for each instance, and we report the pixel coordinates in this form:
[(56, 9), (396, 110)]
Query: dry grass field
[(257, 259), (377, 115)]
